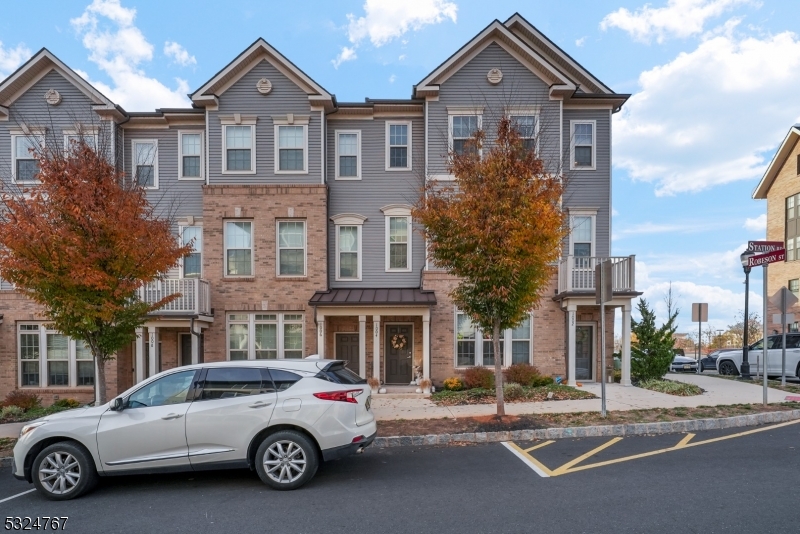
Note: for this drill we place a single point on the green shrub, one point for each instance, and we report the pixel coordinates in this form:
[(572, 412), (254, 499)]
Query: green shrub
[(11, 411), (453, 384), (513, 391), (67, 403), (479, 377), (541, 380), (652, 351), (24, 399), (671, 387), (521, 373)]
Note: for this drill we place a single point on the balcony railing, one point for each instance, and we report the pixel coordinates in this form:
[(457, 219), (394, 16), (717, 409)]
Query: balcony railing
[(194, 300), (576, 273)]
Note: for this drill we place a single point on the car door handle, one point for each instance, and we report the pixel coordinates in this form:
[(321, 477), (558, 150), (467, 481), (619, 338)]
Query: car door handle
[(173, 416), (259, 404)]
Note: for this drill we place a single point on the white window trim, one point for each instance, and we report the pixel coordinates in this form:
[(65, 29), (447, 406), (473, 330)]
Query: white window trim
[(91, 132), (278, 248), (349, 219), (40, 137), (154, 142), (358, 154), (409, 145), (42, 332), (572, 166), (225, 249), (251, 330), (305, 149), (181, 228), (454, 111), (507, 344), (583, 213), (181, 133), (397, 210), (252, 126)]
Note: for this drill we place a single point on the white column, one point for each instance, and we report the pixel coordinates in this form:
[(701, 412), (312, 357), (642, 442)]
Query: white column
[(571, 312), (626, 345), (376, 346), (321, 336), (426, 346), (195, 347), (362, 346), (152, 333), (140, 363)]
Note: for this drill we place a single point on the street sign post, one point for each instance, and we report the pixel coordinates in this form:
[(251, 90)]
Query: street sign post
[(699, 316), (604, 291)]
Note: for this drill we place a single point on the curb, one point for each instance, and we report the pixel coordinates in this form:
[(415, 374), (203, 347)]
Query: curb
[(631, 429), (6, 461)]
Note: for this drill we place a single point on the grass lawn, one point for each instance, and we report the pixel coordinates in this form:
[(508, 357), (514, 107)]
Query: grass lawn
[(522, 394)]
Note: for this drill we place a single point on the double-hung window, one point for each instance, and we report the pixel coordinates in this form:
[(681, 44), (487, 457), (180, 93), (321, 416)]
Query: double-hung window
[(793, 227), (193, 263), (25, 151), (475, 347), (348, 155), (291, 149), (239, 148), (51, 359), (274, 336), (145, 163), (583, 145), (190, 159), (462, 129), (398, 146), (527, 127), (398, 237), (238, 248), (348, 239), (291, 248), (73, 138)]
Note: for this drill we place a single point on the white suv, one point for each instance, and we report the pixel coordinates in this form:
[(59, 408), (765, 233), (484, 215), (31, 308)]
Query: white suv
[(279, 417), (730, 362)]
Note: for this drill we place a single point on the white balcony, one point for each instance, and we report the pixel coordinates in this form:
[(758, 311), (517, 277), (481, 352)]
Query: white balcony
[(194, 299), (576, 273)]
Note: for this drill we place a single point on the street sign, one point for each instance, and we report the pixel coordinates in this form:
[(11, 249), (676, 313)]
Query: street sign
[(764, 246), (783, 292), (777, 318), (700, 312), (765, 259), (603, 282)]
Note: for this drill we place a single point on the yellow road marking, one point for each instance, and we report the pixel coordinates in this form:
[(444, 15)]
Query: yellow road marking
[(565, 468), (572, 467)]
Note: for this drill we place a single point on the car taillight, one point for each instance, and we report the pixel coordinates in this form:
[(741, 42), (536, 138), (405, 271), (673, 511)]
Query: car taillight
[(341, 396)]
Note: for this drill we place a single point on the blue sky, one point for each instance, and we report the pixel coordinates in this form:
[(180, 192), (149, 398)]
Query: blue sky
[(714, 84)]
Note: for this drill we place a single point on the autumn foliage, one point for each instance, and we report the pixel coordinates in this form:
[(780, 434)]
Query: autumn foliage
[(498, 228), (81, 243)]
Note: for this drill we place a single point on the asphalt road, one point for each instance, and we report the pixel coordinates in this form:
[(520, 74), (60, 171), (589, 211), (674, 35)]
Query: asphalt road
[(744, 484)]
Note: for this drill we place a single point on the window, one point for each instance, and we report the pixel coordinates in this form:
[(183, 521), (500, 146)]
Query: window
[(398, 145), (792, 227), (238, 248), (192, 264), (527, 126), (171, 389), (229, 383), (398, 243), (275, 336), (475, 347), (348, 238), (291, 149), (583, 152), (238, 148), (26, 166), (145, 163), (190, 159), (63, 362), (794, 285), (73, 138), (582, 236), (291, 248), (462, 128), (348, 155)]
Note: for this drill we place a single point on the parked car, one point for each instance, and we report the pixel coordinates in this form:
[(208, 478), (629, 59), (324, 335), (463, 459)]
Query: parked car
[(277, 417), (709, 362), (682, 364), (730, 363)]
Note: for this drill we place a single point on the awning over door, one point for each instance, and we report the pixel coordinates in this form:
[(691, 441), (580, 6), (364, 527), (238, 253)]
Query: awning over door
[(374, 297)]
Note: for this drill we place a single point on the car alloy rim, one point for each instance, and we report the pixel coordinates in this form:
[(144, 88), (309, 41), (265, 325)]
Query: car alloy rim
[(285, 461), (59, 473)]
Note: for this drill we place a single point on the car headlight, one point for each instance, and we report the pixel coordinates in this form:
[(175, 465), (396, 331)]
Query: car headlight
[(28, 428)]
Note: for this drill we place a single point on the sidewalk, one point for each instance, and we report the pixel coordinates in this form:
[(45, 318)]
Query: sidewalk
[(718, 391)]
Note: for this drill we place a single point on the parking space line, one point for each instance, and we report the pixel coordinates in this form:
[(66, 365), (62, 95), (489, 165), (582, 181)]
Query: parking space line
[(530, 461), (17, 495), (565, 468), (539, 446), (685, 441)]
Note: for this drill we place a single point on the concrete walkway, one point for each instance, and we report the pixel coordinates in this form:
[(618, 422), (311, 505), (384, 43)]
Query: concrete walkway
[(718, 391), (10, 430)]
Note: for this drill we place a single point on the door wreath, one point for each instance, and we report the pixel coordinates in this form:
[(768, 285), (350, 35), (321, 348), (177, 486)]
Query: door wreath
[(399, 341)]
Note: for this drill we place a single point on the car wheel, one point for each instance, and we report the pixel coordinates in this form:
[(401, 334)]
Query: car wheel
[(64, 471), (727, 368), (286, 460)]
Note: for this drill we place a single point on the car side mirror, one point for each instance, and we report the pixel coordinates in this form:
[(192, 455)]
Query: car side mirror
[(118, 404)]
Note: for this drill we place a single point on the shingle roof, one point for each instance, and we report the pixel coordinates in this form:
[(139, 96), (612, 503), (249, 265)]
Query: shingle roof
[(374, 297)]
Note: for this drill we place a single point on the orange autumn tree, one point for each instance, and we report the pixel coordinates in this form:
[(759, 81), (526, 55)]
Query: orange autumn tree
[(81, 243), (498, 229)]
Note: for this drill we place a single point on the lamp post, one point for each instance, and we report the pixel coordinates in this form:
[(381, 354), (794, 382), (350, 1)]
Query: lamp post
[(745, 257)]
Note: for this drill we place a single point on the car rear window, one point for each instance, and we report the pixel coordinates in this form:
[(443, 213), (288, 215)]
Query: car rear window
[(284, 379), (343, 375)]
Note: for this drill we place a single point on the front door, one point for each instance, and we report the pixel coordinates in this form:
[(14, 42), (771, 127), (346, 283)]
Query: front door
[(399, 353), (186, 349), (584, 348), (347, 350)]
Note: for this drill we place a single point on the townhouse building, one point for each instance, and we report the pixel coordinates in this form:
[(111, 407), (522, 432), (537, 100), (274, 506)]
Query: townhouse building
[(300, 210)]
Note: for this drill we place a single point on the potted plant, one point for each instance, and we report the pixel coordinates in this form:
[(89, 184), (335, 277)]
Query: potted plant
[(374, 384), (425, 384)]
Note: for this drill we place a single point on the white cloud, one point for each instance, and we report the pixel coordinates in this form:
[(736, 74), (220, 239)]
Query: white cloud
[(347, 54), (758, 224), (614, 212), (710, 116), (401, 57), (680, 18), (178, 54), (580, 42), (118, 48), (385, 20), (11, 58), (392, 78)]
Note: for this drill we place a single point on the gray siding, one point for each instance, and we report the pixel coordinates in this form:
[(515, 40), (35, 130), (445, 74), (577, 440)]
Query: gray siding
[(377, 188), (285, 97), (174, 197), (591, 189), (469, 87)]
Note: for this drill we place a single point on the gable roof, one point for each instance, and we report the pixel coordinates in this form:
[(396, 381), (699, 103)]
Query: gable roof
[(761, 190), (210, 91), (36, 68)]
